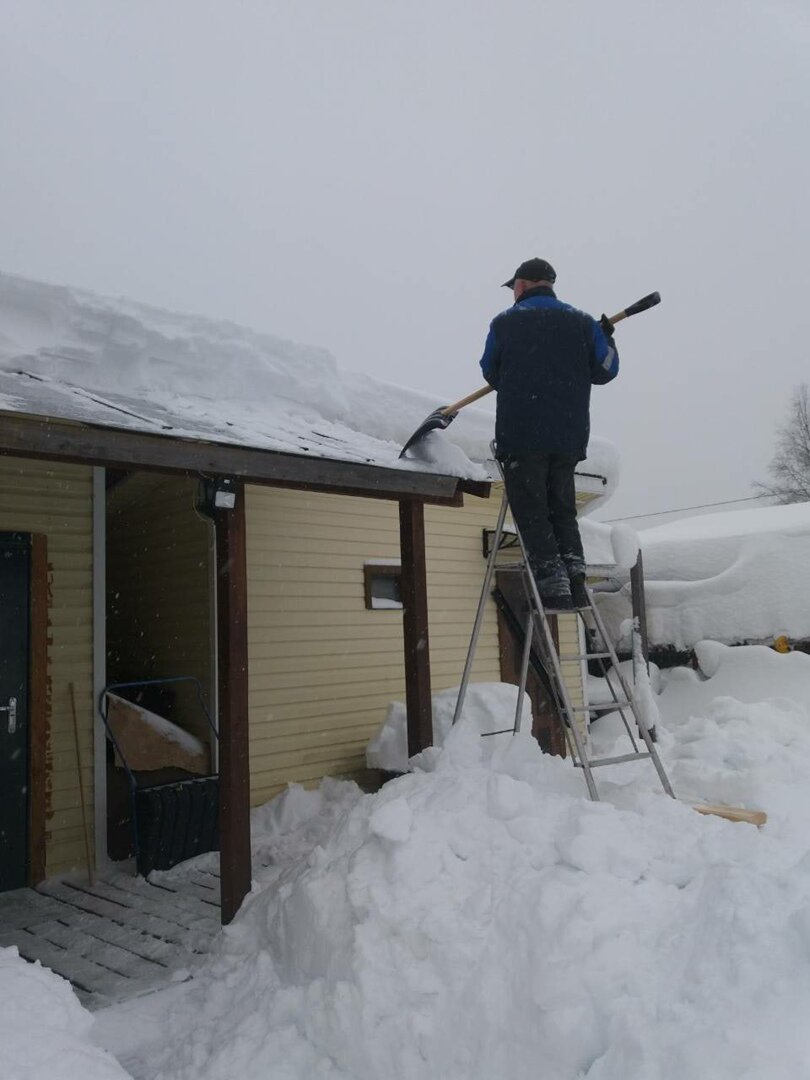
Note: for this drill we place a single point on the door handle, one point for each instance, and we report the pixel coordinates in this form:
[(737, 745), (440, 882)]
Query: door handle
[(11, 709)]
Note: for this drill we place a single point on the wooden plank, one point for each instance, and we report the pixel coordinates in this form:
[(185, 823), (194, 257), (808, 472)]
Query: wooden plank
[(734, 813), (234, 746), (184, 910), (413, 585), (131, 938), (75, 940), (22, 907), (151, 918), (206, 880), (59, 440), (99, 982), (186, 889)]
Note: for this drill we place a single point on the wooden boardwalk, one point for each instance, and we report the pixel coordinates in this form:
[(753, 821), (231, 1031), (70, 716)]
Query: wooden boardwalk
[(119, 938)]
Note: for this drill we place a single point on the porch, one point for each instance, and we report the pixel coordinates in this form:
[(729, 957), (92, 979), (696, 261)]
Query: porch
[(120, 937)]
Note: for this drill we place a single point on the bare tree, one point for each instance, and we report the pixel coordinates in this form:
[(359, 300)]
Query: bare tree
[(790, 467)]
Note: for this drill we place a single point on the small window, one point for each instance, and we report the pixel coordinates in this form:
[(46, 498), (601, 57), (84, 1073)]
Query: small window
[(382, 582)]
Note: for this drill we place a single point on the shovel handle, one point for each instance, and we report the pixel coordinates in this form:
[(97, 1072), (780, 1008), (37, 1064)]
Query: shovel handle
[(468, 400), (640, 305)]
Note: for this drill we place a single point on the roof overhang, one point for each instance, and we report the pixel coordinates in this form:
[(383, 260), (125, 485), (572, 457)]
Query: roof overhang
[(58, 439)]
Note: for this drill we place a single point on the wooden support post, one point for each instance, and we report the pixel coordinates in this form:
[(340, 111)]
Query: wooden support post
[(234, 763), (640, 605), (639, 602), (415, 625)]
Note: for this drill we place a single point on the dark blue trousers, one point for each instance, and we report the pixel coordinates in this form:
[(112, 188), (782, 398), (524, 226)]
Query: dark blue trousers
[(542, 497)]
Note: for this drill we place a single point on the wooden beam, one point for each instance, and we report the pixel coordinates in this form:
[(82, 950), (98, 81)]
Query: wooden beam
[(639, 602), (62, 440), (234, 759), (413, 586), (480, 488)]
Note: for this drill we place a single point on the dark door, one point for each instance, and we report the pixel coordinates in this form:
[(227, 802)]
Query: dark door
[(15, 572)]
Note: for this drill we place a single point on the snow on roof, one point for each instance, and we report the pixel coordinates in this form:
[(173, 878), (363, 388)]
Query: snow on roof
[(737, 576), (114, 362)]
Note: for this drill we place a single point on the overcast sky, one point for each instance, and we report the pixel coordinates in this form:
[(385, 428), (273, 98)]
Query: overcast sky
[(363, 174)]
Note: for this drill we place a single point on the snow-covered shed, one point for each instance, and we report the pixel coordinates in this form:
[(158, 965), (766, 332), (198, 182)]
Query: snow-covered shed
[(335, 560), (740, 577)]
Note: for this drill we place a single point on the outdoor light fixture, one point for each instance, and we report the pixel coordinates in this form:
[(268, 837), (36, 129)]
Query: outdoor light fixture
[(215, 493)]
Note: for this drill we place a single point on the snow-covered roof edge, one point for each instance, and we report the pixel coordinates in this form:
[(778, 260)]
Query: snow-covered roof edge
[(117, 362)]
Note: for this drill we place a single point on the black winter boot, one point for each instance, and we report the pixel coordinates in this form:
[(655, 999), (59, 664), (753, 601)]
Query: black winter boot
[(579, 591)]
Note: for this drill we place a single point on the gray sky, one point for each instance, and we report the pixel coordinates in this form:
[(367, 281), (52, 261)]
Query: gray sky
[(363, 174)]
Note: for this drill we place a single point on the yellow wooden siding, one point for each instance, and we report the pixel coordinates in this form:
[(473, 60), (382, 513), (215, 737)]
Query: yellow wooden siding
[(322, 668), (158, 587), (56, 500)]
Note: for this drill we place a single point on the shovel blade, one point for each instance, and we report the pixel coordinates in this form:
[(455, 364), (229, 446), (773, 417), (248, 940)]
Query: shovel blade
[(437, 419)]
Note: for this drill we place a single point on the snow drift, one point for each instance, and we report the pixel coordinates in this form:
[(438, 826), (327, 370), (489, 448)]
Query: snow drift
[(44, 1029), (481, 918), (732, 577)]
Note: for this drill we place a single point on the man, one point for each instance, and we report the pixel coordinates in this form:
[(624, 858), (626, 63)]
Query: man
[(542, 356)]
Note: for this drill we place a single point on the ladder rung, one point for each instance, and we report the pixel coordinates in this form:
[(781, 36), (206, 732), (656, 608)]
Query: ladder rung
[(614, 760), (604, 705), (564, 657)]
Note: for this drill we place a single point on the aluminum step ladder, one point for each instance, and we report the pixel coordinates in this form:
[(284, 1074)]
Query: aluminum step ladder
[(600, 648)]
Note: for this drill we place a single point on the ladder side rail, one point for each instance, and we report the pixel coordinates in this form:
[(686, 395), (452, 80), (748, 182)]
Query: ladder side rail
[(621, 709), (614, 666), (482, 603), (552, 687), (524, 668), (637, 713), (551, 653)]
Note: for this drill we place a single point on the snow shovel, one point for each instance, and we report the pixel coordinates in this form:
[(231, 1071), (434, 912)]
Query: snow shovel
[(441, 418)]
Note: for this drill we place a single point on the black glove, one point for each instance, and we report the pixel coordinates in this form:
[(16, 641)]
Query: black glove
[(607, 326)]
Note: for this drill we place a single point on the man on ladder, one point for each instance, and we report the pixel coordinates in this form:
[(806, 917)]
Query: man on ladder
[(543, 356)]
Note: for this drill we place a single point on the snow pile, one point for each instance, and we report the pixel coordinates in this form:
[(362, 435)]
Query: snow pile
[(481, 918), (44, 1029), (488, 708), (125, 364), (614, 546), (738, 576)]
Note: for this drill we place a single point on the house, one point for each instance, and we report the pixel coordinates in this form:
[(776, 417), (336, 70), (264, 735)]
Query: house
[(181, 497)]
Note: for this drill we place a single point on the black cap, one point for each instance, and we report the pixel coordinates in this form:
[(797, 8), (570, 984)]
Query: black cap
[(533, 270)]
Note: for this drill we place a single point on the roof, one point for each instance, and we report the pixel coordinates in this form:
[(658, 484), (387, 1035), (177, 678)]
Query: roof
[(103, 365)]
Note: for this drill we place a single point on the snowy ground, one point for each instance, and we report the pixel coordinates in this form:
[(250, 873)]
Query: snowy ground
[(481, 918)]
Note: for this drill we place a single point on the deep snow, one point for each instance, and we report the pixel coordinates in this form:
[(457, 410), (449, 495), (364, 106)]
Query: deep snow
[(44, 1029), (730, 577), (480, 917)]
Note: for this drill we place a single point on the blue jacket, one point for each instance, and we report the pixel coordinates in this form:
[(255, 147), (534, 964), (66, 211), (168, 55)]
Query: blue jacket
[(542, 356)]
